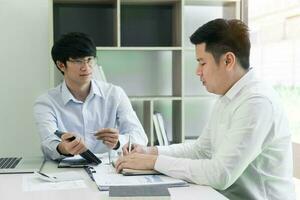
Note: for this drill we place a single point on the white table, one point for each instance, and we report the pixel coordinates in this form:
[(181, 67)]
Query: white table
[(11, 189)]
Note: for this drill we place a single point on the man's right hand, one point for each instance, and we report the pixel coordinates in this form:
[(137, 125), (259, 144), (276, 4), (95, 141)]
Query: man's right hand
[(73, 147)]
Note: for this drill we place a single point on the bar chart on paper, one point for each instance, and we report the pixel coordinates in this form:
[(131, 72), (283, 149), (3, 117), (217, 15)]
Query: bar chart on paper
[(106, 176)]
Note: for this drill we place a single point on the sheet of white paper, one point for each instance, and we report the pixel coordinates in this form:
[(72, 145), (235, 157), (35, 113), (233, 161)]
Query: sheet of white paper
[(106, 176), (33, 183)]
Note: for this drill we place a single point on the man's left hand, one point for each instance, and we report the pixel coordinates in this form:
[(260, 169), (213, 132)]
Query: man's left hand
[(109, 136), (136, 161)]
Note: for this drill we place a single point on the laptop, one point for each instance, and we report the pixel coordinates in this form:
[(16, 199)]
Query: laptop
[(19, 165)]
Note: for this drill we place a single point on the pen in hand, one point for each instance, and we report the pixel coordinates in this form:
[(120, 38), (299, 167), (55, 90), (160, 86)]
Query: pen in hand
[(129, 144)]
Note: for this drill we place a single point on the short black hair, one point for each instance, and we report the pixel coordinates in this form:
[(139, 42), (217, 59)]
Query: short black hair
[(72, 45), (221, 36)]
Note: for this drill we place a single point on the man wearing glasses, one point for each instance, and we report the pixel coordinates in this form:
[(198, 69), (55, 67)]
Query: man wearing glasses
[(98, 114)]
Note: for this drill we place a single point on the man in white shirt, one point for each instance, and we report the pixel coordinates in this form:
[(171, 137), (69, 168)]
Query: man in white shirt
[(98, 114), (245, 150)]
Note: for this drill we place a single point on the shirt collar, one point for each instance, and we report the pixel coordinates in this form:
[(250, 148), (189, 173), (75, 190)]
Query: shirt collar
[(237, 87), (95, 89), (68, 96)]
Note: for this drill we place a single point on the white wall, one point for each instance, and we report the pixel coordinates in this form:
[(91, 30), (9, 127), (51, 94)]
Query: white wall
[(24, 72)]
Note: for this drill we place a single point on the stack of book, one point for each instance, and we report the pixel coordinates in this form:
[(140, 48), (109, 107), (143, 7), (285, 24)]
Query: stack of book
[(159, 129)]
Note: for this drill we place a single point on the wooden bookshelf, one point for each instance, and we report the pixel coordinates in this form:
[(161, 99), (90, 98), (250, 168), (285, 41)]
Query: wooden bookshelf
[(143, 46)]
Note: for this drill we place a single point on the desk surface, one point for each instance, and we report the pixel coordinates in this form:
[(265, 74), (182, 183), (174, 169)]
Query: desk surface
[(11, 188)]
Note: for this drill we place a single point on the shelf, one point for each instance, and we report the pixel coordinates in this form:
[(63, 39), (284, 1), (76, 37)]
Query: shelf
[(154, 24), (205, 11), (95, 19), (139, 48), (189, 48), (196, 110), (148, 2), (192, 84), (210, 2), (143, 73), (85, 1)]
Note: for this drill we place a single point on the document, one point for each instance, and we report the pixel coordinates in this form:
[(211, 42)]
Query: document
[(106, 176), (31, 182)]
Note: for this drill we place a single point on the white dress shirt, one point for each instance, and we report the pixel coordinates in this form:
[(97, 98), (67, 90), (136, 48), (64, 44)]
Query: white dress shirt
[(106, 106), (245, 150)]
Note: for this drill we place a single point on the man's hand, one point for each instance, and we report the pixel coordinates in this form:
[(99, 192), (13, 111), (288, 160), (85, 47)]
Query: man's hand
[(70, 144), (109, 136), (136, 161)]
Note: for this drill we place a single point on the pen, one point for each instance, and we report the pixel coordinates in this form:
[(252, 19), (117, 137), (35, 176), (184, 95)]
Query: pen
[(129, 144), (90, 170), (46, 177)]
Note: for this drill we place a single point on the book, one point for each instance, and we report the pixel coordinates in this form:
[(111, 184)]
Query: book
[(157, 130), (162, 128), (140, 192)]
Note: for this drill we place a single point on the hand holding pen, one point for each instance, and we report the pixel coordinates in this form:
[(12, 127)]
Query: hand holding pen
[(129, 144), (109, 136), (131, 147)]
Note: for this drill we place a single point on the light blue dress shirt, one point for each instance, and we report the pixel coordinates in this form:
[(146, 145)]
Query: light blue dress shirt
[(106, 106)]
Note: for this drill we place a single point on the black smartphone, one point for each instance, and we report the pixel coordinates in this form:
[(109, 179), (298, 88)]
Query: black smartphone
[(88, 155)]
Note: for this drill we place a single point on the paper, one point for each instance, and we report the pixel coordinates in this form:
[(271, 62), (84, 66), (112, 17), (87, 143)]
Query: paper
[(106, 176), (31, 182)]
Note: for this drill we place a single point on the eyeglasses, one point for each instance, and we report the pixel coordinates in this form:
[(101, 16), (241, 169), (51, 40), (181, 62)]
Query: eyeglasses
[(91, 61)]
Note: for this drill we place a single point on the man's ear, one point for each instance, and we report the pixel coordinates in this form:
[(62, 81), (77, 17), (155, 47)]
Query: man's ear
[(229, 60), (61, 65)]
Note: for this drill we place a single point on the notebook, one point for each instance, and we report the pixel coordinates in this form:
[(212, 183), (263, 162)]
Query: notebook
[(16, 165)]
